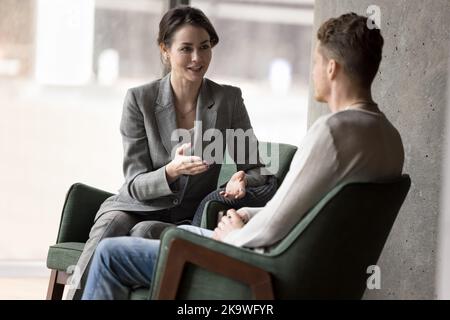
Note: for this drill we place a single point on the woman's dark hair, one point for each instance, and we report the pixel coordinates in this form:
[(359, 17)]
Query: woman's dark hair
[(349, 40), (179, 16)]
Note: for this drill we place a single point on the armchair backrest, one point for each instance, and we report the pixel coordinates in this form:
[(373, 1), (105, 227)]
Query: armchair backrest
[(326, 255), (81, 199)]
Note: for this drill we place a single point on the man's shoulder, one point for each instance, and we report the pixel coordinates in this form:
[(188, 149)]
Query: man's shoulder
[(323, 122), (347, 122), (354, 118)]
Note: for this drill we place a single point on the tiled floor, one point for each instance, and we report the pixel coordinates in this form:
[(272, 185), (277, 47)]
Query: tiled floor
[(23, 288)]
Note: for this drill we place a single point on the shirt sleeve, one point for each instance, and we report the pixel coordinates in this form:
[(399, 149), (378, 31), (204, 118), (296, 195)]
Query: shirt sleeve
[(143, 180), (313, 172)]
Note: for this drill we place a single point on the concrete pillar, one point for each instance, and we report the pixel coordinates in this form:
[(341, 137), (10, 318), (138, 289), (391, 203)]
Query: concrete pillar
[(411, 90), (443, 261)]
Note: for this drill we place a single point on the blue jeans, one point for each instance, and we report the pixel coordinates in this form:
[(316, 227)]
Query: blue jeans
[(121, 264)]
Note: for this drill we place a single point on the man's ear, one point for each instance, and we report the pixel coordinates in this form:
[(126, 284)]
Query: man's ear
[(332, 69)]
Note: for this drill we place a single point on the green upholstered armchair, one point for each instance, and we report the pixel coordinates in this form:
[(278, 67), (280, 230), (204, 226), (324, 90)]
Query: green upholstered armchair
[(325, 256), (81, 205)]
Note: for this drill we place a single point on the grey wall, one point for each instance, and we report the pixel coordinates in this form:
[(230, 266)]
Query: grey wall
[(411, 91), (443, 277)]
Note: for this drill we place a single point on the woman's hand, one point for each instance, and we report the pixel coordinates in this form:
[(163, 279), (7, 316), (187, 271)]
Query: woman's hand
[(235, 188), (183, 164), (230, 222)]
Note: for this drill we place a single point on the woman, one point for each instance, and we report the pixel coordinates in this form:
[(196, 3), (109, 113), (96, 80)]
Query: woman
[(163, 180)]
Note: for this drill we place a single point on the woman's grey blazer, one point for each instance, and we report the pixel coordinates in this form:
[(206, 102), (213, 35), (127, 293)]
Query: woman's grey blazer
[(148, 121)]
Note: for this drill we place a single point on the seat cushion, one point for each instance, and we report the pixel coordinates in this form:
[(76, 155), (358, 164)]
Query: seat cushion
[(62, 255)]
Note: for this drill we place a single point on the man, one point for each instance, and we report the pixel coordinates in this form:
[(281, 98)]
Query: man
[(354, 143)]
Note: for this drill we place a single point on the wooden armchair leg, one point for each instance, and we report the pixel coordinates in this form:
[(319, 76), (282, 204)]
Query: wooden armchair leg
[(56, 285)]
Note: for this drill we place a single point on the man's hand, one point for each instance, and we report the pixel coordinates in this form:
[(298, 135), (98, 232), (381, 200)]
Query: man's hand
[(235, 188), (243, 214), (231, 221), (183, 164)]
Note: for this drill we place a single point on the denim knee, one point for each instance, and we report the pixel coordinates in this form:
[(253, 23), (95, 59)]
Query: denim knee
[(105, 249), (150, 229)]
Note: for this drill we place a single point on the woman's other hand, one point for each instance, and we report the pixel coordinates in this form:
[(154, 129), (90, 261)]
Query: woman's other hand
[(184, 164), (235, 188)]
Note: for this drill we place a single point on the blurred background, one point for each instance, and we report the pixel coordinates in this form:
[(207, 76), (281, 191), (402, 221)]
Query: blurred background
[(65, 66)]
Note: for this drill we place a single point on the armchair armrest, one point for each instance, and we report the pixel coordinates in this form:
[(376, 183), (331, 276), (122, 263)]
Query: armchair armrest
[(80, 207), (209, 217), (180, 247)]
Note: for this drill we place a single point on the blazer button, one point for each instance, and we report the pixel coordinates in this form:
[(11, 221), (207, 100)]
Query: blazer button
[(175, 201)]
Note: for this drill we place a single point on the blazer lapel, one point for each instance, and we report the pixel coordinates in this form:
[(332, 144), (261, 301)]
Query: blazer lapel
[(206, 116), (165, 114)]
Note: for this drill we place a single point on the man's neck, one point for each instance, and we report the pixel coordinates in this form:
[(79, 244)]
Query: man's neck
[(347, 96)]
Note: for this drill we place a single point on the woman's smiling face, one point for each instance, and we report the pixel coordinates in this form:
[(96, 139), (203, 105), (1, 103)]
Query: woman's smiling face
[(189, 54)]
